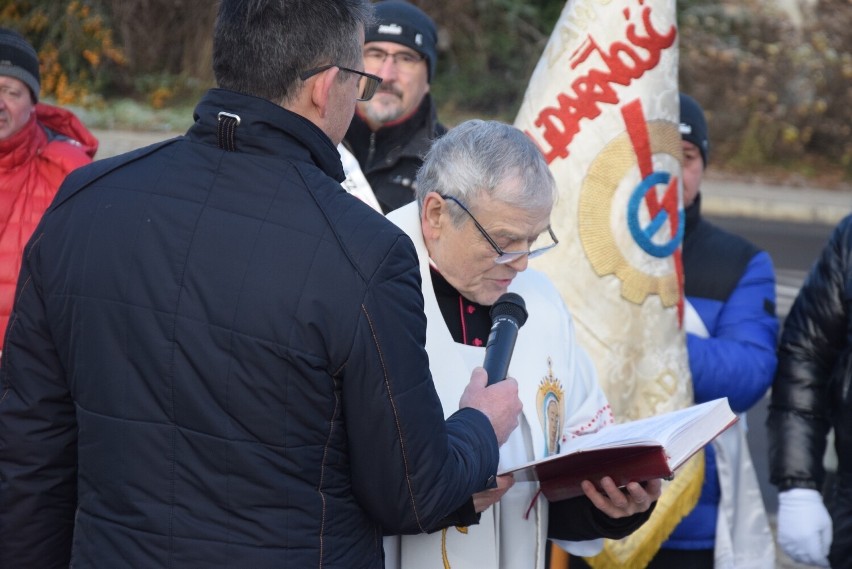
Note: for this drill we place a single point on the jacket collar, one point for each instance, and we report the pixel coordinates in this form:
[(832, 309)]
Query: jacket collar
[(22, 146), (692, 215), (262, 125), (411, 136)]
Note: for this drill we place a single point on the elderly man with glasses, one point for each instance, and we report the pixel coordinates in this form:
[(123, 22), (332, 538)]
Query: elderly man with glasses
[(482, 210), (391, 133)]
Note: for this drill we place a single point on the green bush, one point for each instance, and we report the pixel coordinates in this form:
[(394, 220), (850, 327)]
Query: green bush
[(78, 56), (777, 95)]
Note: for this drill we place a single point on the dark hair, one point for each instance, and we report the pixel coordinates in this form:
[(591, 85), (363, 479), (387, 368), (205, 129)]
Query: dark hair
[(261, 46)]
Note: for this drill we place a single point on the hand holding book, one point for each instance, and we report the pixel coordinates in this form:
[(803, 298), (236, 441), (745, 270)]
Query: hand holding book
[(636, 451), (621, 501)]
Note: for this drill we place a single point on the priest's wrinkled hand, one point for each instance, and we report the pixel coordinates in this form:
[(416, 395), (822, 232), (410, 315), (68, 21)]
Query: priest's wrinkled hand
[(499, 402), (487, 498), (616, 502)]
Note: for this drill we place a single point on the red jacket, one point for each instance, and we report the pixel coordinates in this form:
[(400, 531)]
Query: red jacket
[(33, 163)]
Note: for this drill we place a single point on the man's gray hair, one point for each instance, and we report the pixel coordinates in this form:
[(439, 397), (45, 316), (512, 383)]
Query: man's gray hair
[(490, 158), (261, 46)]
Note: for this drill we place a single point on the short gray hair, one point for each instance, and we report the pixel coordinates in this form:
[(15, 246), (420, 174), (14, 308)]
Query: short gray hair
[(491, 158)]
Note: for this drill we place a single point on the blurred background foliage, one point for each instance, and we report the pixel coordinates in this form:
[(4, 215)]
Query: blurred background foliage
[(776, 84), (77, 49), (778, 91)]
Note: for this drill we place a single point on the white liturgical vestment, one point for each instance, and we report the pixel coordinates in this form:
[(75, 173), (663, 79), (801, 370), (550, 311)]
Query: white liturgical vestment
[(561, 399)]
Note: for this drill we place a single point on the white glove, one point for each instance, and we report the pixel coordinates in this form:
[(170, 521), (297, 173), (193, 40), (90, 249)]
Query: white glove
[(588, 548), (804, 526)]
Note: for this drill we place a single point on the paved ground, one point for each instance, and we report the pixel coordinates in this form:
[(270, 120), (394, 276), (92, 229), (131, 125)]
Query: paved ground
[(114, 142), (720, 196), (728, 197)]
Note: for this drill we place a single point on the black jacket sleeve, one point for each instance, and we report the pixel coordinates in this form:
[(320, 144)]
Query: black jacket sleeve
[(38, 436), (813, 374), (462, 517), (410, 468), (577, 519)]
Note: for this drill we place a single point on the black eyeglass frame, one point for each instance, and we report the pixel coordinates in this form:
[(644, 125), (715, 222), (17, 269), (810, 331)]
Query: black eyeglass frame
[(373, 80), (504, 257), (396, 56)]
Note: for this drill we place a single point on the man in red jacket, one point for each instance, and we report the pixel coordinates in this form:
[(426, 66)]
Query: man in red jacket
[(39, 145)]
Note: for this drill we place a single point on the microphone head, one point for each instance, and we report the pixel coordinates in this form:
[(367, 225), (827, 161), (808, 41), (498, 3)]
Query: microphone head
[(510, 304)]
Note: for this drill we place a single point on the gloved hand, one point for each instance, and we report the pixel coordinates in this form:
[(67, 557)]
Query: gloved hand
[(804, 526)]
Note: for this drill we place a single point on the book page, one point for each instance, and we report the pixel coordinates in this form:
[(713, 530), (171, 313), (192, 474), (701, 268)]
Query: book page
[(680, 432), (659, 429)]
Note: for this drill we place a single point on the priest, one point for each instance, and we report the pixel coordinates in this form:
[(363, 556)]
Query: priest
[(482, 210)]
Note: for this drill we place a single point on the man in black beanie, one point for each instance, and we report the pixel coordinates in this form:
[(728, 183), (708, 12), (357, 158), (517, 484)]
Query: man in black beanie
[(391, 133)]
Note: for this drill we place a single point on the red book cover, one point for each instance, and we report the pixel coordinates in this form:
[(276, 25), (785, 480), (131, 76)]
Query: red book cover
[(653, 447), (560, 479)]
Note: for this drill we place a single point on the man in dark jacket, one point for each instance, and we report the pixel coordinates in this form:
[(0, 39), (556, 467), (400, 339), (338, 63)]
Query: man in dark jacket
[(391, 133), (216, 355), (812, 394)]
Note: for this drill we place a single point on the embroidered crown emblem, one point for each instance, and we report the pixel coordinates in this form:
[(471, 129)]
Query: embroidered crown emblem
[(550, 404)]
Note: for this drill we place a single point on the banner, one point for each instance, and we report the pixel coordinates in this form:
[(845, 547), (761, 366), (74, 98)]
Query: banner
[(602, 105)]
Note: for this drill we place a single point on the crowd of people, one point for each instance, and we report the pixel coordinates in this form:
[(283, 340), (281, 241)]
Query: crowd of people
[(215, 356)]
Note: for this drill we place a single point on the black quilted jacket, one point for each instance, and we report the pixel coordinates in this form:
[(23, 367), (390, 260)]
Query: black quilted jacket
[(812, 390), (216, 360), (391, 156)]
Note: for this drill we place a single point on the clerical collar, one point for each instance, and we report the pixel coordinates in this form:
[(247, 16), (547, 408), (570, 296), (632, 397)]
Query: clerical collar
[(468, 322)]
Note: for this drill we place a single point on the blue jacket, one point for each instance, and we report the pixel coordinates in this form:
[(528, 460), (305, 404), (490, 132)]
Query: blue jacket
[(216, 359), (731, 284)]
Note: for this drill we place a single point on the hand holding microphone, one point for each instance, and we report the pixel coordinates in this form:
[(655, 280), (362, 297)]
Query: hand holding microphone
[(500, 402), (508, 314)]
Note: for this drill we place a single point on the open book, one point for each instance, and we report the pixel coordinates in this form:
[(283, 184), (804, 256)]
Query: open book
[(640, 450)]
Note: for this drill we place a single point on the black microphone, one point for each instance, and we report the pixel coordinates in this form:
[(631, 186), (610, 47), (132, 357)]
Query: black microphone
[(508, 314)]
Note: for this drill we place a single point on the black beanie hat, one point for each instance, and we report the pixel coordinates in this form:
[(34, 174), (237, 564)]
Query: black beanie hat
[(405, 24), (18, 59), (693, 125)]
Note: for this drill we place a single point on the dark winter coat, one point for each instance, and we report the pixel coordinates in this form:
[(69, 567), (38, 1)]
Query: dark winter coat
[(812, 391), (391, 156), (216, 359)]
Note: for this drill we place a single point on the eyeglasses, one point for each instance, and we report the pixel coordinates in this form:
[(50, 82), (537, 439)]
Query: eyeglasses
[(367, 82), (504, 257), (404, 60)]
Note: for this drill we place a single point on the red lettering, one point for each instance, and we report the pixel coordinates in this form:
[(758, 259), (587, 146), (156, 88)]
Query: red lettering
[(624, 64)]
